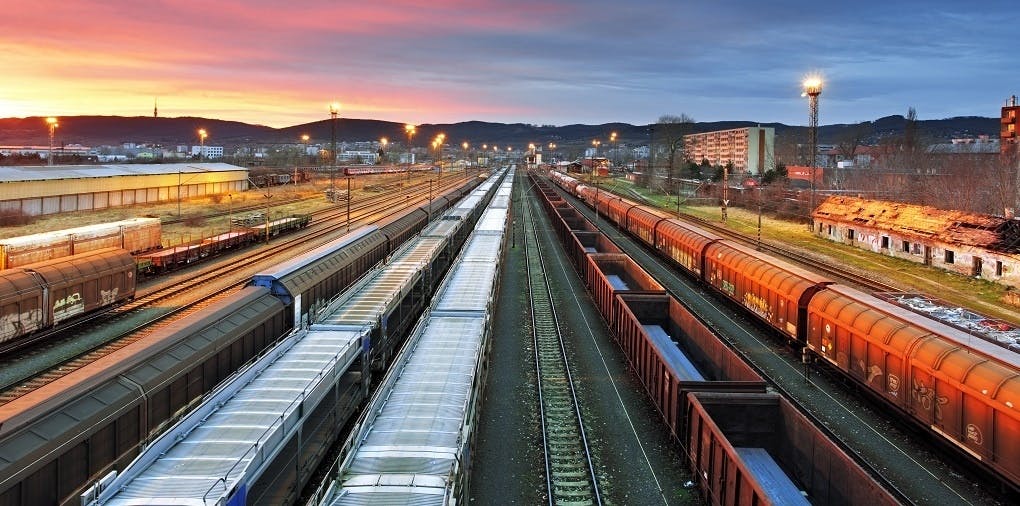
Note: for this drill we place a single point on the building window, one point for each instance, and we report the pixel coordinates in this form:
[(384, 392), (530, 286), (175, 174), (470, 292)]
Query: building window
[(998, 268), (850, 234), (949, 256), (885, 243), (906, 246), (830, 230)]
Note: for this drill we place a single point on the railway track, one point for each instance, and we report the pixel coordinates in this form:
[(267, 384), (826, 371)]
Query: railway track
[(770, 361), (570, 472), (191, 286)]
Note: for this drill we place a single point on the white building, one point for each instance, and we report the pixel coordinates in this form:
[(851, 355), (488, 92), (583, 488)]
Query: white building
[(207, 151)]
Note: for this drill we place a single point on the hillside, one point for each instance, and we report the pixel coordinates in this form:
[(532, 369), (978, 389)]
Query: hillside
[(97, 130)]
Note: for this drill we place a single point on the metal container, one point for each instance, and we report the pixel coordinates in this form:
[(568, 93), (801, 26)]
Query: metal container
[(684, 243), (964, 389), (773, 290), (83, 283), (641, 222), (21, 304), (758, 449), (134, 235), (663, 342), (583, 244), (608, 274)]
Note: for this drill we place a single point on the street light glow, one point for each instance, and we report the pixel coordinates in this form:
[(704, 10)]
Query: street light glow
[(305, 137), (52, 121), (334, 108), (812, 85)]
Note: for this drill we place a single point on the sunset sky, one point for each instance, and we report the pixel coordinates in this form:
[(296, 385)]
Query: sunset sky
[(280, 63)]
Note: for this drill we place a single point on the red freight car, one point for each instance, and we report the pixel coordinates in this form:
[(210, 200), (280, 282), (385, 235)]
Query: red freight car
[(758, 449), (966, 390), (614, 207), (581, 244), (684, 244), (773, 290), (641, 222), (673, 353), (609, 274)]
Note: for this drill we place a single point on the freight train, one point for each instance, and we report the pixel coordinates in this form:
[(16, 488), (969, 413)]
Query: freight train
[(678, 359), (963, 390), (41, 295), (166, 259), (96, 419), (360, 170)]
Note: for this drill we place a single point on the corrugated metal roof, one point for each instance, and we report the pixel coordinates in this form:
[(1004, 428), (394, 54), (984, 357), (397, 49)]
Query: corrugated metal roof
[(947, 226), (44, 172)]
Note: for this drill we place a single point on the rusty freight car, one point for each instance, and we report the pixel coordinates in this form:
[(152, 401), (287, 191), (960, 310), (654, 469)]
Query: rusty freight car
[(758, 449)]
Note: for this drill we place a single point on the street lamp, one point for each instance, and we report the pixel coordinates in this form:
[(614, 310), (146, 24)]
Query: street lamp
[(531, 154), (334, 111), (812, 88), (595, 175), (382, 147), (202, 134), (612, 138), (53, 124), (465, 145), (440, 140), (410, 130)]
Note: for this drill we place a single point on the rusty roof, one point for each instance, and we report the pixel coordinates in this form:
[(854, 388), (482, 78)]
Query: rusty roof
[(933, 224)]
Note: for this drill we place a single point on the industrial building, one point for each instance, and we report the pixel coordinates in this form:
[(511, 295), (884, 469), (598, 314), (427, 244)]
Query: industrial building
[(970, 244), (751, 149), (39, 190)]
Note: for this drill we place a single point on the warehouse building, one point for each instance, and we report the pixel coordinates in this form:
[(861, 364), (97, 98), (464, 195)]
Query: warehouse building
[(39, 190), (967, 243)]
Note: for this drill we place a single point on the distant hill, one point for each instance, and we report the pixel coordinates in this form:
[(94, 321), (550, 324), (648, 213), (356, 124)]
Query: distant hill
[(98, 130)]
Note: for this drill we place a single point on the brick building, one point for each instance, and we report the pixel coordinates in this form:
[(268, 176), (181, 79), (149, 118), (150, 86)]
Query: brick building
[(970, 244)]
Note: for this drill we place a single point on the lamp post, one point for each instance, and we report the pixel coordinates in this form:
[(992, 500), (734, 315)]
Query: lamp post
[(595, 175), (304, 141), (53, 124), (334, 111), (202, 134), (410, 130), (230, 212), (348, 204), (531, 155), (382, 148), (467, 161), (612, 139), (812, 88)]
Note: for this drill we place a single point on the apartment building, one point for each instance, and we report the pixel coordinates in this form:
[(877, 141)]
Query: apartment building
[(751, 149)]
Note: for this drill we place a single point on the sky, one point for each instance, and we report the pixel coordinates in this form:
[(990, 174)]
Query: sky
[(547, 62)]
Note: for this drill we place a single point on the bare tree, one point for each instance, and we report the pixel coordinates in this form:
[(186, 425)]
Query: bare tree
[(668, 142)]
